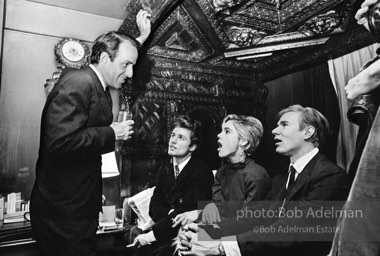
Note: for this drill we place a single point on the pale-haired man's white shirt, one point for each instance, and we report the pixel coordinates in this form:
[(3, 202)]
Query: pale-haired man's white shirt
[(301, 162), (230, 244)]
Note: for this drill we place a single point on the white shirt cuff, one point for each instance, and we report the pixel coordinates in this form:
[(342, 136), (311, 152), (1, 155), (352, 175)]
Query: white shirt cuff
[(230, 245), (150, 238)]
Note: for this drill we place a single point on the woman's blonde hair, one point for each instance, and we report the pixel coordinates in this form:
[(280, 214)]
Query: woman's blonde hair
[(249, 129)]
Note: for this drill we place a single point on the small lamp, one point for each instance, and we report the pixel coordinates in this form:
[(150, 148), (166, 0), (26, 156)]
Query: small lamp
[(109, 165)]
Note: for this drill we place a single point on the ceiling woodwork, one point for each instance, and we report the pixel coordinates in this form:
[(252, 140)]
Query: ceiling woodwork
[(267, 38)]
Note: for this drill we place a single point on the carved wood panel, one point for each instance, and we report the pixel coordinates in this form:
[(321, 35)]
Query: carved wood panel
[(230, 34), (175, 88)]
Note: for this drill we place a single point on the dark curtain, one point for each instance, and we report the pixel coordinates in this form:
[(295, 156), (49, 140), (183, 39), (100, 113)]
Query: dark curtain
[(320, 94)]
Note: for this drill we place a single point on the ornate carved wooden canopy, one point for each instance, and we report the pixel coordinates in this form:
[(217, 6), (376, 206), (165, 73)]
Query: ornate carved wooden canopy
[(269, 38)]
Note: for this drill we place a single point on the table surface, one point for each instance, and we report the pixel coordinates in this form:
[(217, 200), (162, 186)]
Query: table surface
[(19, 235)]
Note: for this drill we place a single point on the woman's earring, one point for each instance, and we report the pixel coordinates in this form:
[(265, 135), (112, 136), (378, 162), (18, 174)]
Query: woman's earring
[(242, 157)]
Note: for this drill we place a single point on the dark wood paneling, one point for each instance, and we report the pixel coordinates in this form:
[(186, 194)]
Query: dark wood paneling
[(174, 88)]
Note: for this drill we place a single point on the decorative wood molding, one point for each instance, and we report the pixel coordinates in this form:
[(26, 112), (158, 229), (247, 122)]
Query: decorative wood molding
[(345, 43), (269, 26), (277, 47), (162, 64), (157, 9), (288, 13), (321, 25), (209, 15)]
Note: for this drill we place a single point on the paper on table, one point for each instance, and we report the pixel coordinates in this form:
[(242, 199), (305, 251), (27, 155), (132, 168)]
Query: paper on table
[(107, 218), (109, 165)]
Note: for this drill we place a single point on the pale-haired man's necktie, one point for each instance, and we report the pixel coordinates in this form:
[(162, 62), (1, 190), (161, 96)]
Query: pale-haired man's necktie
[(292, 177)]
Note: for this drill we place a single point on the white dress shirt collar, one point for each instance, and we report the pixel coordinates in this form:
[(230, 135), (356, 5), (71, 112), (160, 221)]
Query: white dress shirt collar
[(301, 162), (98, 75), (181, 165)]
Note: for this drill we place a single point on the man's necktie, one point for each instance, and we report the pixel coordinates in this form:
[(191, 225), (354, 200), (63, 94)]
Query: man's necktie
[(292, 175), (108, 95), (176, 171)]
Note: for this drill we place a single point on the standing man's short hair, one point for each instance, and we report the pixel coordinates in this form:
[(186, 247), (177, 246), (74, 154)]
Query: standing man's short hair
[(311, 117), (184, 121), (109, 43)]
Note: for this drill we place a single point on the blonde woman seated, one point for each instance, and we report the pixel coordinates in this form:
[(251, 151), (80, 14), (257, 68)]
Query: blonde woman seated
[(241, 180)]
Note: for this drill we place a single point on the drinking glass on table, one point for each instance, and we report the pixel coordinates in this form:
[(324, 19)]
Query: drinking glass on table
[(119, 217)]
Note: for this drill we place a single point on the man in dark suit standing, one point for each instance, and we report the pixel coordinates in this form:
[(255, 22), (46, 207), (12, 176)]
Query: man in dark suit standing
[(76, 128), (311, 180), (180, 186)]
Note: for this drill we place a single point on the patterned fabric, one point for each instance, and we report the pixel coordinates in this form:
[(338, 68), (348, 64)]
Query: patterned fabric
[(360, 236)]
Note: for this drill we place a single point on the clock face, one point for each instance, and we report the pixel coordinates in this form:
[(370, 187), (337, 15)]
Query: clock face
[(73, 51)]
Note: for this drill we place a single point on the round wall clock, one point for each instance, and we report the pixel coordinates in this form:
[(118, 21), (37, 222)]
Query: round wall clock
[(72, 53)]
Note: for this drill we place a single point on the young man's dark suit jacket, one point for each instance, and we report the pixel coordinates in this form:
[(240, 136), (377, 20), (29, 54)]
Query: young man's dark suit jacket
[(321, 180), (75, 132), (193, 184)]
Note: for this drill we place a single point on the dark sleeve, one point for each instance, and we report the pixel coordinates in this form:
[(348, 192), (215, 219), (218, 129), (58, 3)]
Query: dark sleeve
[(256, 188), (158, 208), (198, 190), (331, 185), (217, 187), (217, 196), (65, 122)]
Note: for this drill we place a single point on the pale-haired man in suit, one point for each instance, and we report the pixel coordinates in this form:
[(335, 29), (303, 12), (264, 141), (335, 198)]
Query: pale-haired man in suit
[(311, 179), (76, 128)]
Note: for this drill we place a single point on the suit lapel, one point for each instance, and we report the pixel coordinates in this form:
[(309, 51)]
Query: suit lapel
[(106, 107), (170, 171), (177, 184), (280, 194), (108, 95), (302, 177), (185, 172), (297, 185)]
